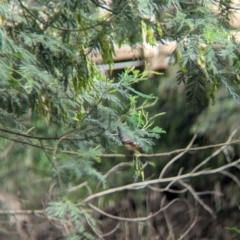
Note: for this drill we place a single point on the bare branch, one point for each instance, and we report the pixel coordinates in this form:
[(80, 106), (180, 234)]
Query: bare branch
[(178, 156), (232, 176), (140, 185), (146, 155), (123, 155), (198, 199), (111, 232), (169, 226), (139, 219), (216, 152), (189, 228), (21, 212)]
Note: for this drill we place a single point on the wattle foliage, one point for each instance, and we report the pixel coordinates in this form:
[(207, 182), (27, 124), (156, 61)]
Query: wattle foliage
[(62, 112)]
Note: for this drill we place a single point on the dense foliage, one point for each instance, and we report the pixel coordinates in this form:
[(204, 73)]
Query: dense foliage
[(59, 112)]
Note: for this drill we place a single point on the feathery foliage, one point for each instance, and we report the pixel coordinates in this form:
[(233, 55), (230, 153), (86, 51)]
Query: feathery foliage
[(62, 113), (207, 52)]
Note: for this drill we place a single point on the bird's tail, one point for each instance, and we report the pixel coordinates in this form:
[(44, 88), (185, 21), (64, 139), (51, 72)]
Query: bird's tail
[(120, 133)]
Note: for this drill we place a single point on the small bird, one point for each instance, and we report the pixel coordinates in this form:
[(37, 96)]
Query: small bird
[(129, 144)]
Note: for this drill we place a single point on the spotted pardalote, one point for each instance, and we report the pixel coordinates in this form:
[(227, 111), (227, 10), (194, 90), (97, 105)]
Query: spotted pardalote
[(129, 143)]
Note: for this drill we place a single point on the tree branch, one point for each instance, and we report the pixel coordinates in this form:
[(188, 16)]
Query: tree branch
[(139, 219), (146, 155), (101, 6), (140, 185), (62, 29), (178, 156)]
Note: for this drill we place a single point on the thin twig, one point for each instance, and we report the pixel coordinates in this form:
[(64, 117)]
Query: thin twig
[(48, 157), (139, 219), (21, 212), (123, 155), (111, 232), (198, 199), (169, 225), (102, 6), (178, 156), (216, 152), (232, 176), (146, 155), (189, 228)]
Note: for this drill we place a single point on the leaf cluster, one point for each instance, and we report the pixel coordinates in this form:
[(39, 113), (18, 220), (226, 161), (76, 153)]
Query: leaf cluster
[(206, 51), (60, 111)]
